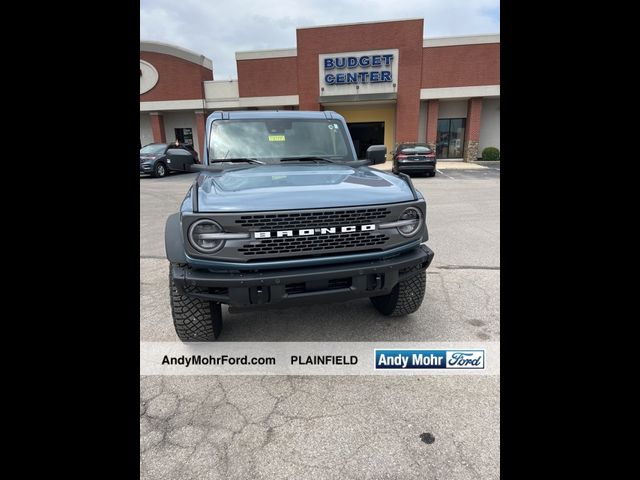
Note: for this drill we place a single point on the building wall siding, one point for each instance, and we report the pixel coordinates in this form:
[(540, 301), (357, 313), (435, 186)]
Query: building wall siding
[(178, 79), (490, 123), (461, 65), (146, 134), (267, 77)]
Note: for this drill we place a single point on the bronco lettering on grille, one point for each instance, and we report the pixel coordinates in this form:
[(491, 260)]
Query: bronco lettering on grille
[(303, 232)]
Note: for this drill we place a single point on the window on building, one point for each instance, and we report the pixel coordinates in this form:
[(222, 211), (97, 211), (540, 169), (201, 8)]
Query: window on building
[(184, 135), (450, 138)]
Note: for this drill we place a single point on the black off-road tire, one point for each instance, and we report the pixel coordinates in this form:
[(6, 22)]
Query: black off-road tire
[(195, 320), (405, 298)]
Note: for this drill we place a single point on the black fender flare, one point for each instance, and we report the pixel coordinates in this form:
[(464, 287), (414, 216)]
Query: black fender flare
[(173, 245)]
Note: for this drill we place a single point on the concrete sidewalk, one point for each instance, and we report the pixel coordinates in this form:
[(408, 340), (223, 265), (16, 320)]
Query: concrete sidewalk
[(441, 165)]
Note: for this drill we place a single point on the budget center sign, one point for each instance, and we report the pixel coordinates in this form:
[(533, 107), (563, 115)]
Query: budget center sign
[(364, 72)]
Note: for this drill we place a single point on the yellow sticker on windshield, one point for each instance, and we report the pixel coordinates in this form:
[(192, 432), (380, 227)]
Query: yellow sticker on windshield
[(276, 138)]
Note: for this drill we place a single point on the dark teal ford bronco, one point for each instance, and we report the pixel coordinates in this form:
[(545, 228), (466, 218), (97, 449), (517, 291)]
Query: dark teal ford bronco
[(282, 213)]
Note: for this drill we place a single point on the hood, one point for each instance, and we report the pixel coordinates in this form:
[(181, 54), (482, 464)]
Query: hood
[(286, 186)]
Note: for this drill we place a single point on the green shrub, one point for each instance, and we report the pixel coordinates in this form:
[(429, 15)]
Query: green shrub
[(490, 153)]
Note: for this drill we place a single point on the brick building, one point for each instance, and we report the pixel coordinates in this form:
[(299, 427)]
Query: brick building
[(391, 85)]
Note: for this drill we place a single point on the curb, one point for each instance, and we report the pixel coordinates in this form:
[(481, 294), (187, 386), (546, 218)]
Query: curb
[(446, 165)]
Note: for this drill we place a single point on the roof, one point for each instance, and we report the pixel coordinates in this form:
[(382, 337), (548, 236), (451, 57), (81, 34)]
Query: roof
[(259, 114), (176, 51)]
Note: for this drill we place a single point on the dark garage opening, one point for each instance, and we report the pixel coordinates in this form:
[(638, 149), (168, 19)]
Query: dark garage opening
[(366, 134)]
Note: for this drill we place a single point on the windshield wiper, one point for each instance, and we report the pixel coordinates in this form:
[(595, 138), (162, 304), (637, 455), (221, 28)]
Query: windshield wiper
[(308, 158), (247, 160)]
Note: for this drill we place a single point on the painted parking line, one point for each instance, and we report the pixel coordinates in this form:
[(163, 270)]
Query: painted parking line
[(440, 172)]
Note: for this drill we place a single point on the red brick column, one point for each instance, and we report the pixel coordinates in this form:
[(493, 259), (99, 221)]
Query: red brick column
[(472, 131), (432, 122), (201, 118), (157, 127), (409, 80)]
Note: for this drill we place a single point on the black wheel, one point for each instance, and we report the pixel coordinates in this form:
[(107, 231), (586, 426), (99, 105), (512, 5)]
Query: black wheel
[(432, 174), (195, 320), (405, 298), (159, 170)]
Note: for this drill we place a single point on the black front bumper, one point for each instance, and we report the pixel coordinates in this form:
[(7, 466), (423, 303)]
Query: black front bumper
[(330, 283), (421, 166), (146, 168)]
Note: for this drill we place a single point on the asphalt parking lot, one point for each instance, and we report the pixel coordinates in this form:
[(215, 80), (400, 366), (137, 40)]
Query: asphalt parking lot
[(336, 427)]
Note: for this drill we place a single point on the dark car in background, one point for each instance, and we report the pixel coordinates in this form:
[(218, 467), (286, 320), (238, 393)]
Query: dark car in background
[(159, 159), (414, 158)]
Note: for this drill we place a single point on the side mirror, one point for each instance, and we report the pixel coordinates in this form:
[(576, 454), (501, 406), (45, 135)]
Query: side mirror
[(377, 154)]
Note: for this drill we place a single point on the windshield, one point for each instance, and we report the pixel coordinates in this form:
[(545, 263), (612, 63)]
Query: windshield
[(276, 139), (153, 148)]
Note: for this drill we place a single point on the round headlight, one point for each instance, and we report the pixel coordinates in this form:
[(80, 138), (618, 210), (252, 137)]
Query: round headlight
[(200, 238), (413, 219)]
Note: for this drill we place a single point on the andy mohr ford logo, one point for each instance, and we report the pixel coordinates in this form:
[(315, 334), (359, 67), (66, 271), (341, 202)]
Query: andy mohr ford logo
[(314, 231), (421, 359)]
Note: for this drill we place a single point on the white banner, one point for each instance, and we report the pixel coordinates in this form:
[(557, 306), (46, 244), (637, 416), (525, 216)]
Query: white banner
[(320, 358)]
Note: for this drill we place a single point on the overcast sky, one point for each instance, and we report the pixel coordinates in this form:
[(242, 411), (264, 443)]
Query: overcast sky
[(219, 28)]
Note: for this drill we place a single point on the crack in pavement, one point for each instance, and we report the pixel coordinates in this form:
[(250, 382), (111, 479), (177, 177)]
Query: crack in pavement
[(465, 461), (459, 315), (191, 429)]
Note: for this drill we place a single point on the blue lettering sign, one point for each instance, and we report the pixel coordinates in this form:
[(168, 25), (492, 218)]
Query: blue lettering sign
[(365, 61)]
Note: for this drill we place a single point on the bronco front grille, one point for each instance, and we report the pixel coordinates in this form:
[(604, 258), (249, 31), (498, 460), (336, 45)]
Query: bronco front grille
[(315, 244), (280, 221), (260, 237)]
